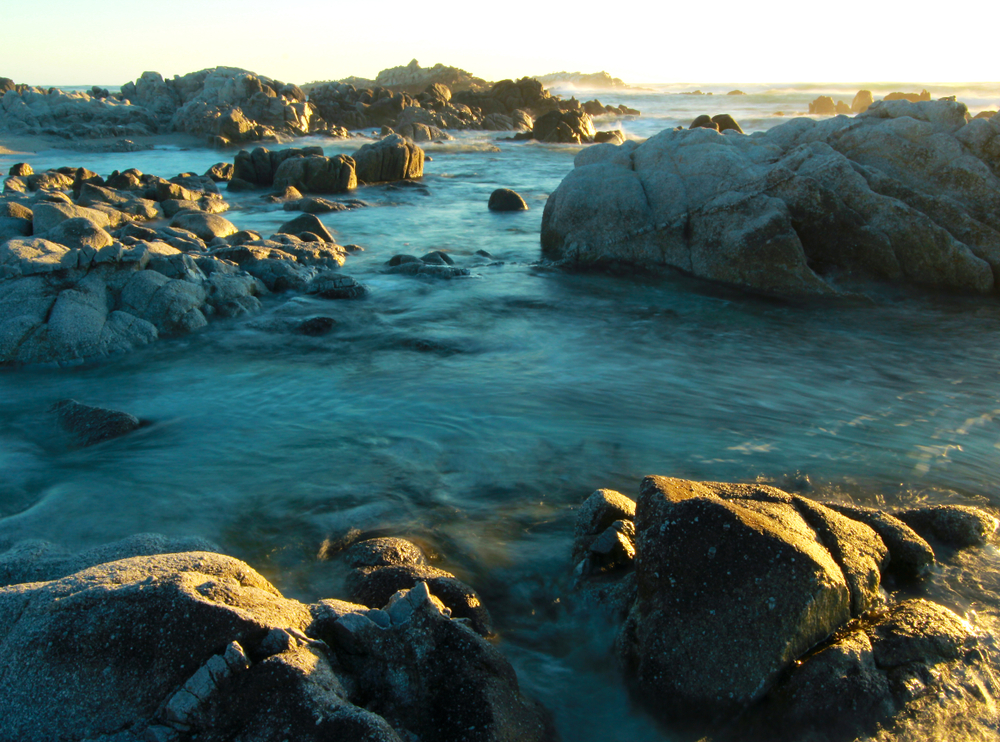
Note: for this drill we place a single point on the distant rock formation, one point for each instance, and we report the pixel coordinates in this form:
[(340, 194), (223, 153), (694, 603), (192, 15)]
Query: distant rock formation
[(911, 97), (592, 80), (862, 101), (414, 79)]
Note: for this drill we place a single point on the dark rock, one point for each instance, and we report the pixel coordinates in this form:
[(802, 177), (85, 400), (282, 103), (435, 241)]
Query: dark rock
[(90, 425), (316, 326), (220, 172), (306, 223), (953, 525), (597, 513), (317, 174), (401, 259), (504, 199), (385, 552), (704, 122), (374, 586), (336, 286), (910, 556), (707, 567), (438, 257), (726, 122), (564, 127)]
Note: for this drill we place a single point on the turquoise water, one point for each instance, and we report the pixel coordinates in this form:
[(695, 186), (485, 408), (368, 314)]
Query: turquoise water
[(475, 414)]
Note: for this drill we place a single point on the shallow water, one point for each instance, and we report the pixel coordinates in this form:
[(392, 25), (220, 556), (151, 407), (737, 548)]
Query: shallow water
[(475, 414)]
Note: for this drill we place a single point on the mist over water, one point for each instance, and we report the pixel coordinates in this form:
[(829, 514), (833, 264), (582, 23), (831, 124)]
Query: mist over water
[(475, 414)]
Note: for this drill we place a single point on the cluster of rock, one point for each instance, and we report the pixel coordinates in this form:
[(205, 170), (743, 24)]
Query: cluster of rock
[(306, 170), (228, 105), (592, 80), (81, 275), (744, 600), (825, 106), (506, 106), (132, 642), (907, 193), (412, 78)]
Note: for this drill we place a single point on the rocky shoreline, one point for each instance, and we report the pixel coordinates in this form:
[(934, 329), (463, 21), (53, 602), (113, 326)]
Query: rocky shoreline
[(174, 641), (742, 611)]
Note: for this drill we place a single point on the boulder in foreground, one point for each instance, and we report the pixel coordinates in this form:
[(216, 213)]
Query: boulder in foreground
[(198, 645)]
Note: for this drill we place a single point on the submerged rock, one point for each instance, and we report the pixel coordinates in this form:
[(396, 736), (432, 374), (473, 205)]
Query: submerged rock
[(90, 425)]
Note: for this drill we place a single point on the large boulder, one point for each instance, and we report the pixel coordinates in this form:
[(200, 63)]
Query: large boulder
[(736, 612), (905, 193), (391, 158), (173, 646), (317, 174), (564, 127)]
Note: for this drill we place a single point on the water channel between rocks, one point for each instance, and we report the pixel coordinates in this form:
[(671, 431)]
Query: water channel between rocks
[(474, 415)]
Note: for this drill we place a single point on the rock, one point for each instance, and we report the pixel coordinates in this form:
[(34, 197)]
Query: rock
[(910, 556), (862, 101), (725, 122), (316, 326), (735, 92), (385, 552), (90, 425), (953, 525), (79, 233), (389, 159), (704, 121), (438, 257), (21, 169), (172, 305), (564, 127), (31, 257), (923, 95), (599, 512), (14, 227), (46, 216), (205, 226), (336, 286), (306, 223), (197, 644), (220, 172), (823, 106), (317, 174), (697, 582), (376, 585), (14, 210), (504, 199), (793, 210)]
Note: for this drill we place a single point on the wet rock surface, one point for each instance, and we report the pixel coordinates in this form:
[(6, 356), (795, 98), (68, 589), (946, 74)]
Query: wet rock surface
[(173, 646), (828, 658)]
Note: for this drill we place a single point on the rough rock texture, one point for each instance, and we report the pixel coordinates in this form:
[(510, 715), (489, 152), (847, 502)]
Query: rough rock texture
[(904, 193), (317, 174), (384, 566), (392, 158), (196, 644), (824, 656)]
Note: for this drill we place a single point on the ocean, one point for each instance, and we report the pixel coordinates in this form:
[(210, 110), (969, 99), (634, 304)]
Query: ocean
[(475, 414)]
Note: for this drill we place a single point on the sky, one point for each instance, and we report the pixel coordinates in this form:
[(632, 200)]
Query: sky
[(109, 42)]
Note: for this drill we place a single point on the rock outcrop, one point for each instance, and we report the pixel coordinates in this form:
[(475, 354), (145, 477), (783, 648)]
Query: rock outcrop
[(87, 279), (692, 565), (592, 80), (903, 193), (196, 644)]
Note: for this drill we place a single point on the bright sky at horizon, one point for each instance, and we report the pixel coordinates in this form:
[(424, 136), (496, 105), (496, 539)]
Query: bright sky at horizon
[(65, 42)]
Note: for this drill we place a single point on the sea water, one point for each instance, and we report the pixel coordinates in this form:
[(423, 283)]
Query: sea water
[(475, 414)]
